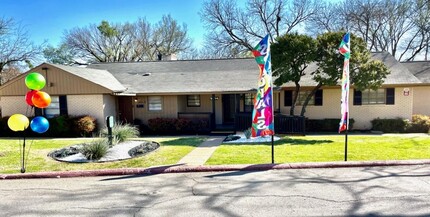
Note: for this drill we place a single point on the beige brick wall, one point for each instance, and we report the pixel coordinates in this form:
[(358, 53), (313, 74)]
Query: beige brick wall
[(87, 105), (15, 105), (361, 114), (421, 100), (365, 113)]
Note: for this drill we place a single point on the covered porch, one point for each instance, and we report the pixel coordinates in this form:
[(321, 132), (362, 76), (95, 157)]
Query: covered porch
[(217, 112)]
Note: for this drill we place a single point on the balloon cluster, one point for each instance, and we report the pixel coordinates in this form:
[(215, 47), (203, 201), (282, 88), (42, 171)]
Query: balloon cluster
[(35, 98)]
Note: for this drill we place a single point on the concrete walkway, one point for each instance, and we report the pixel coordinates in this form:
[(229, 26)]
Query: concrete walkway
[(202, 153)]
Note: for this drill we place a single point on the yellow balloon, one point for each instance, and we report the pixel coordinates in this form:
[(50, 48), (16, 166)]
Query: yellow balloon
[(18, 122)]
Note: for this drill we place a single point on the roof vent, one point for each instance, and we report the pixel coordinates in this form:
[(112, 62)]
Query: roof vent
[(147, 74)]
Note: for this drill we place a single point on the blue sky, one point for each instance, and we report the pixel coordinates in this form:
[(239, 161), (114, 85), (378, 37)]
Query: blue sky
[(47, 19)]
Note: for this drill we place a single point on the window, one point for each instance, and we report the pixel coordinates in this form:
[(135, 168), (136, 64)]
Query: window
[(302, 97), (374, 97), (155, 103), (54, 108), (57, 107), (317, 98), (248, 102), (193, 100)]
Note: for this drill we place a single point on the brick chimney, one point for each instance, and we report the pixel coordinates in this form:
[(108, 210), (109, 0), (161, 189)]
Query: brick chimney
[(169, 57)]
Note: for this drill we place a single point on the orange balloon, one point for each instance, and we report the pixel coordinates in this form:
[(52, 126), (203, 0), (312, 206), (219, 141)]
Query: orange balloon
[(41, 99)]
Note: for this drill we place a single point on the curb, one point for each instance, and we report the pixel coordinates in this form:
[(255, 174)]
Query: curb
[(215, 168)]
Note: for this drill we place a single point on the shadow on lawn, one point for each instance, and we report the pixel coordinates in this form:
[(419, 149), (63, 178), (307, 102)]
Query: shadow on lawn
[(284, 141), (304, 141)]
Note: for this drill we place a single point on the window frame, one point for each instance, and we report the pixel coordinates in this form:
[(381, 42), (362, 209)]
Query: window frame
[(373, 97), (316, 100), (388, 95), (62, 107), (197, 101), (151, 103)]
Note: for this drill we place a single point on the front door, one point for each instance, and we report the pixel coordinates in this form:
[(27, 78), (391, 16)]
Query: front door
[(228, 108), (125, 109)]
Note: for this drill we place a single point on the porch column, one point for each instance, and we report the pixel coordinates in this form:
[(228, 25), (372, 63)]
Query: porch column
[(279, 102), (213, 112)]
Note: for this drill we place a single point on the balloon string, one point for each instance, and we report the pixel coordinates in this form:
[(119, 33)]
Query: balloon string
[(20, 149), (28, 152)]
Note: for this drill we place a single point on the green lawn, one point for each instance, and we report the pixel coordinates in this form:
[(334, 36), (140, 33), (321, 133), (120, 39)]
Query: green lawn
[(325, 148), (170, 152), (288, 149)]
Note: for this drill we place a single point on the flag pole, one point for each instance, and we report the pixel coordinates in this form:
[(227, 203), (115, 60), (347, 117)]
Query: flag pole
[(273, 150), (23, 155), (346, 145)]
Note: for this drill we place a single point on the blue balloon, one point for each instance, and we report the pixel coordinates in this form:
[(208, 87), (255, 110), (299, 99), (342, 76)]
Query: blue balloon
[(39, 124)]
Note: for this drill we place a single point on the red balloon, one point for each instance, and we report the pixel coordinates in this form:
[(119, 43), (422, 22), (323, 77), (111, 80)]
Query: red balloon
[(41, 99), (28, 97)]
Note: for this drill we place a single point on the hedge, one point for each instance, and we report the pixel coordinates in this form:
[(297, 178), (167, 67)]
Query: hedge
[(59, 126), (162, 126), (325, 125)]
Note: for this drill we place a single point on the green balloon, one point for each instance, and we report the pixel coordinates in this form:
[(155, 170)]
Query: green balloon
[(35, 81)]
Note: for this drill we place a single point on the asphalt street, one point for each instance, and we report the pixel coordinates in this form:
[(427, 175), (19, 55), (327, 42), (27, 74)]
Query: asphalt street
[(360, 191)]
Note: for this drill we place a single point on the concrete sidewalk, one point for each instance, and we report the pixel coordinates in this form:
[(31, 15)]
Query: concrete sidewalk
[(202, 153)]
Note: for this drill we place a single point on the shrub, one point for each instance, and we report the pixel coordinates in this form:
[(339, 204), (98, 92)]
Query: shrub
[(201, 126), (4, 128), (122, 132), (419, 124), (84, 125), (96, 149), (396, 125), (325, 125), (162, 125), (59, 126), (177, 126)]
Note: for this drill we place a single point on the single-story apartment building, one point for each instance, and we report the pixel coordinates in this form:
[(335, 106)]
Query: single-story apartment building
[(216, 90)]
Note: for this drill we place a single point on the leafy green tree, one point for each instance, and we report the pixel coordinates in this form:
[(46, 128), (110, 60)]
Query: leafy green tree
[(291, 56), (293, 53), (364, 72), (107, 30), (61, 55)]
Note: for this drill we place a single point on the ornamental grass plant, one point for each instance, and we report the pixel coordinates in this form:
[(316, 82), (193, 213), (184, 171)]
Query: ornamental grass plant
[(95, 149), (121, 132)]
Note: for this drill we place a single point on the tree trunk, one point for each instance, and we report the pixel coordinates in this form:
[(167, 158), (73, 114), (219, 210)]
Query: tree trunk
[(308, 98), (295, 96), (2, 65)]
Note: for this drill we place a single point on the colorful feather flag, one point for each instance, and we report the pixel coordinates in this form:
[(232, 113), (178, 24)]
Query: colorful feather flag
[(344, 49), (262, 115)]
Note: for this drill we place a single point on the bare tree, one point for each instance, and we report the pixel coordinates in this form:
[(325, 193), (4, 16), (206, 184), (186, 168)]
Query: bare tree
[(397, 26), (419, 46), (169, 37), (128, 42), (9, 73), (326, 19), (234, 30), (15, 46)]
